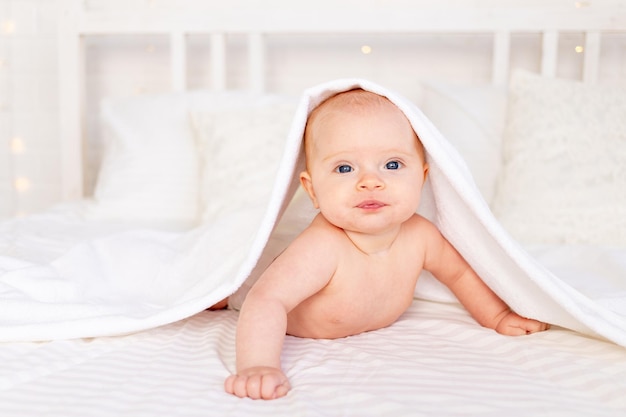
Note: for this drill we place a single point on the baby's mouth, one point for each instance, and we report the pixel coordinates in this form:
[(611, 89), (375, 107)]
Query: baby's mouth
[(370, 205)]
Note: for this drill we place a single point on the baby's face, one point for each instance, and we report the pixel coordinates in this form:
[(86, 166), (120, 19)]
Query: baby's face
[(365, 169)]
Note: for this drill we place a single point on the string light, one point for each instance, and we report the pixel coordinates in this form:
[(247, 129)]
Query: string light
[(579, 49), (17, 146), (581, 4), (21, 184), (366, 49), (8, 27)]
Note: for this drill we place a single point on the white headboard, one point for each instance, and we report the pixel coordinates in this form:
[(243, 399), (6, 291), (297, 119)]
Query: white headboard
[(256, 21)]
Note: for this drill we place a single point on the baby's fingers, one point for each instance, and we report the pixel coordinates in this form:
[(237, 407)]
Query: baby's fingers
[(257, 386), (274, 386), (514, 325), (236, 385), (282, 389), (527, 326), (534, 326), (248, 386)]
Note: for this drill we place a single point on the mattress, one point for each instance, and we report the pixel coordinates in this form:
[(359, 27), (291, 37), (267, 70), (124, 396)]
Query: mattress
[(434, 361)]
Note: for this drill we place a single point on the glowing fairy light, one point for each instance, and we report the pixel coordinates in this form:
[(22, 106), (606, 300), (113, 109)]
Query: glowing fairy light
[(21, 184), (579, 49), (17, 146), (8, 27), (366, 49)]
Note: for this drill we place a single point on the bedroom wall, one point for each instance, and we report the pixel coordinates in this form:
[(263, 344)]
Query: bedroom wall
[(29, 167), (127, 66)]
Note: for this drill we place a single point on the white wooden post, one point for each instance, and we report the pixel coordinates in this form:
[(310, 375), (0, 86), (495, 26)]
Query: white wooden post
[(549, 53), (501, 57), (178, 56), (591, 58), (71, 90), (256, 62), (218, 61)]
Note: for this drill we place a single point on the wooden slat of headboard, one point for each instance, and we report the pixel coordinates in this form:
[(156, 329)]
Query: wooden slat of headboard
[(501, 57), (256, 59), (332, 16), (71, 86), (218, 61), (178, 61), (592, 57), (549, 52)]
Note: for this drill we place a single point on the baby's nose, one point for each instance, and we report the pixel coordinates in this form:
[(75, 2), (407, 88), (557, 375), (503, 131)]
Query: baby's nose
[(370, 182)]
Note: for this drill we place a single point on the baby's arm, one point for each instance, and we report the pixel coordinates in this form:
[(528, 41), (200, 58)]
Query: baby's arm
[(448, 266), (294, 276)]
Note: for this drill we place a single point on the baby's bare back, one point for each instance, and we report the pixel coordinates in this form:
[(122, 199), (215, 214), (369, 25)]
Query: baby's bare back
[(366, 292)]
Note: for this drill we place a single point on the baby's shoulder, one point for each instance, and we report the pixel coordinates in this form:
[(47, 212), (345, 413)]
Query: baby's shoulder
[(422, 228), (321, 232), (419, 222)]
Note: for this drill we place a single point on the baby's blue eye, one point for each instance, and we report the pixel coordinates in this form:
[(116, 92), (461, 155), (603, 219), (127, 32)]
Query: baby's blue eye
[(343, 169), (392, 165)]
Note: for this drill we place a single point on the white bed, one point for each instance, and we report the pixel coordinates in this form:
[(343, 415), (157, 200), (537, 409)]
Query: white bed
[(435, 360)]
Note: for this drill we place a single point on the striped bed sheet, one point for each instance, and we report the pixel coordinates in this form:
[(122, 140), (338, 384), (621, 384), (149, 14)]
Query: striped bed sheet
[(434, 361)]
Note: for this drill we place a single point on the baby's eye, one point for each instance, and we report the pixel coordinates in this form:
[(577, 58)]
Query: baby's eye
[(392, 165), (343, 169)]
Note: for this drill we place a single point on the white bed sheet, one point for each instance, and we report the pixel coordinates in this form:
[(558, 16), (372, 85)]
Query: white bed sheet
[(44, 236), (434, 361)]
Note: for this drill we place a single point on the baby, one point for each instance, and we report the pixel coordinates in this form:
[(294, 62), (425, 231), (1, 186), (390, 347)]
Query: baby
[(355, 267)]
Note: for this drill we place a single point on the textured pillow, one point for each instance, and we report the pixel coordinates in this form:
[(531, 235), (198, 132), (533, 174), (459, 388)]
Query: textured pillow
[(564, 175), (240, 149), (150, 171), (472, 120)]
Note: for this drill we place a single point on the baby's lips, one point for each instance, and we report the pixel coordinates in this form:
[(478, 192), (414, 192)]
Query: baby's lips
[(370, 205)]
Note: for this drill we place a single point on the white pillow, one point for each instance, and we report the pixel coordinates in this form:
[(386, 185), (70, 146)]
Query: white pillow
[(472, 120), (150, 171), (240, 149), (149, 168), (564, 175)]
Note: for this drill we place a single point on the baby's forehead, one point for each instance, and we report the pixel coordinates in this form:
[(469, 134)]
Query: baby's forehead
[(357, 102), (353, 102)]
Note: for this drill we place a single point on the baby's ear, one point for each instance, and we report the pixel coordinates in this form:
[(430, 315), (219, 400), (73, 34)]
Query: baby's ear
[(307, 184)]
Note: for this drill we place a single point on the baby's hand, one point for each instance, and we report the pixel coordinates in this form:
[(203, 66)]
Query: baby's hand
[(514, 325), (260, 382)]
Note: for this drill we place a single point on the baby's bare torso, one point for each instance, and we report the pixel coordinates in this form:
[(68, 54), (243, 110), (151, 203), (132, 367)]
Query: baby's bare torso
[(366, 292)]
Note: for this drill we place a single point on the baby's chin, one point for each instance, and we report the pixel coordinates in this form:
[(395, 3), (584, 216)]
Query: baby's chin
[(373, 227)]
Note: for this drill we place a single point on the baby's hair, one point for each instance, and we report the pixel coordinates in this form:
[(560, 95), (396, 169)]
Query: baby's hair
[(356, 100)]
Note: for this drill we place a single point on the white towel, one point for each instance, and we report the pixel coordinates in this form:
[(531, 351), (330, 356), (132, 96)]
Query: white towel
[(137, 280)]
